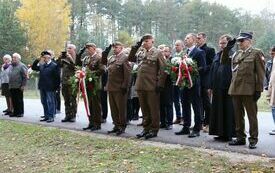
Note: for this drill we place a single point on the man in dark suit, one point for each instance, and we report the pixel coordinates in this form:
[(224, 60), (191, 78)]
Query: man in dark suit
[(209, 56), (192, 95), (49, 81)]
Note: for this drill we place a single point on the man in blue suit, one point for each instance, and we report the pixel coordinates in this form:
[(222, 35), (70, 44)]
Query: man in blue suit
[(192, 95), (49, 81)]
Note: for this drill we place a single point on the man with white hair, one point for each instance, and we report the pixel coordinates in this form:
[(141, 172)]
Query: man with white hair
[(49, 80), (17, 83), (67, 63)]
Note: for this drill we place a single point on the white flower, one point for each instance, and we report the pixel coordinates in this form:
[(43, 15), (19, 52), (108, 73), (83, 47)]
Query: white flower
[(175, 60), (90, 79), (189, 61), (135, 67), (76, 80)]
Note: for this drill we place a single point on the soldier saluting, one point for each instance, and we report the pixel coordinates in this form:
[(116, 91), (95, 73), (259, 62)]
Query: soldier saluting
[(119, 72), (246, 86), (150, 79)]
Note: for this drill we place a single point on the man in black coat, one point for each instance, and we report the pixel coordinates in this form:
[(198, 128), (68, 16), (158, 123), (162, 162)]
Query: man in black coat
[(209, 56), (166, 97), (49, 81), (192, 95)]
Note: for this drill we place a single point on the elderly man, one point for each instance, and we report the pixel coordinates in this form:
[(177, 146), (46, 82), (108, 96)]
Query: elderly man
[(48, 83), (246, 86), (192, 95), (67, 63), (17, 83), (179, 46)]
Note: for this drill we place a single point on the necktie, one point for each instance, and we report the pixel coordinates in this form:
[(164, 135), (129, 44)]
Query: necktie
[(188, 50)]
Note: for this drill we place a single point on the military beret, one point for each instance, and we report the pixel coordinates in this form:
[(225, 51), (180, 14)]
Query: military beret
[(45, 53), (147, 36), (90, 45), (245, 35)]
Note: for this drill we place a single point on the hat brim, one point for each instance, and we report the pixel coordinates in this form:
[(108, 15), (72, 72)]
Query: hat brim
[(241, 38)]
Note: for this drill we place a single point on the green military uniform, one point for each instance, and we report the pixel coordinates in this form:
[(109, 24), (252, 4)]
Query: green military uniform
[(119, 72), (150, 77), (97, 67), (68, 70), (247, 79)]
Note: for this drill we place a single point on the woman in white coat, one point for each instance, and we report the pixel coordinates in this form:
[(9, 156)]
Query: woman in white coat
[(271, 88)]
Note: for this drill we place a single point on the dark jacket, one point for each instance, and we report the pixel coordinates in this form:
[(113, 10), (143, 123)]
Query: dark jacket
[(220, 74), (209, 56), (268, 69), (49, 76), (198, 56)]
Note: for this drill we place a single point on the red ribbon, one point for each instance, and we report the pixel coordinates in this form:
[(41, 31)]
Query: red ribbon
[(183, 66), (82, 88)]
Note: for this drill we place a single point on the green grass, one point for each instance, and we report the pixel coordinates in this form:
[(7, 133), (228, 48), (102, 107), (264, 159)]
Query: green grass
[(28, 148)]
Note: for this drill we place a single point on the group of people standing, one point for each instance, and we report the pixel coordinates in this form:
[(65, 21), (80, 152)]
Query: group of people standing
[(229, 81)]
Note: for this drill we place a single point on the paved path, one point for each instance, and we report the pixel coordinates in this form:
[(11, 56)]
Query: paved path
[(266, 145)]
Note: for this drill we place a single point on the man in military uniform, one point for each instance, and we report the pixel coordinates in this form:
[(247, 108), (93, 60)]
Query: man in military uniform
[(67, 62), (150, 79), (246, 87), (93, 62), (119, 72)]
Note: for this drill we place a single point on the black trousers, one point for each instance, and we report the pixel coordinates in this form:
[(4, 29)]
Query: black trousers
[(206, 106), (17, 101), (192, 96), (104, 104), (58, 100)]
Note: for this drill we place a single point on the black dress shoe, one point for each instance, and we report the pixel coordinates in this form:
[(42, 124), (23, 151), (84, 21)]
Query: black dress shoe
[(184, 131), (20, 115), (94, 128), (194, 134), (120, 131), (87, 128), (8, 113), (44, 119), (4, 111), (114, 130), (50, 120), (135, 119), (72, 120), (151, 135), (237, 142), (13, 115), (42, 116), (169, 127), (142, 134), (162, 126), (218, 138), (252, 145)]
